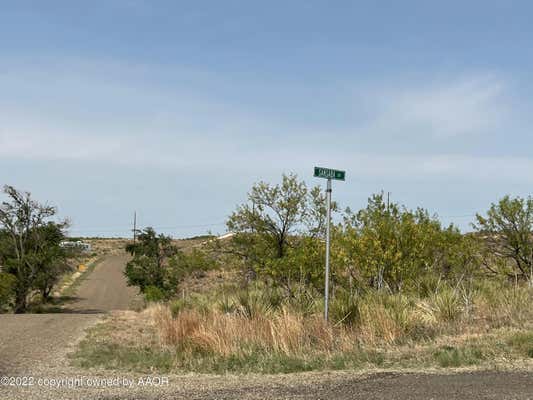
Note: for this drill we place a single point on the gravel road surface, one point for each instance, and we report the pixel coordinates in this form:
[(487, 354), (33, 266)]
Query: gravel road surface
[(105, 288), (33, 351), (32, 343)]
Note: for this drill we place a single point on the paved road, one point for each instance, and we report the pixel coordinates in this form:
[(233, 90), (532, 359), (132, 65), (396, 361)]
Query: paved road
[(342, 386)]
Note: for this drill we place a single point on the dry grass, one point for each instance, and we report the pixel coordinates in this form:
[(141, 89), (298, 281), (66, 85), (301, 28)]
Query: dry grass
[(383, 320), (234, 334), (492, 327)]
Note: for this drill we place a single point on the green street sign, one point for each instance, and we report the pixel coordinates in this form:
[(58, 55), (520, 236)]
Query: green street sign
[(330, 173)]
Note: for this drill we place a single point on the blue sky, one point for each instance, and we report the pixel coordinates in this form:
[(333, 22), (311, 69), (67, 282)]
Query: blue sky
[(175, 109)]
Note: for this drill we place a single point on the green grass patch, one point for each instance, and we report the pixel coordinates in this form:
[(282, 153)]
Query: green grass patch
[(116, 356), (522, 343), (450, 356)]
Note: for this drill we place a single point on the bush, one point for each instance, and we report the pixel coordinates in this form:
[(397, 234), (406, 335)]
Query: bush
[(393, 247), (345, 308), (226, 305), (306, 301), (252, 304), (154, 294), (7, 289), (447, 305)]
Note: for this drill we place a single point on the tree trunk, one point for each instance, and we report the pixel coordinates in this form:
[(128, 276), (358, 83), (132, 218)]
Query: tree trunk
[(45, 293), (20, 302), (281, 245)]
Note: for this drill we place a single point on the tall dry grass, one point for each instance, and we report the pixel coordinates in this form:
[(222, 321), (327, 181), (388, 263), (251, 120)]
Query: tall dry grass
[(226, 334), (377, 320)]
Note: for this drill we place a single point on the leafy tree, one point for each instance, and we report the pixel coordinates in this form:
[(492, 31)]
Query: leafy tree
[(150, 264), (158, 266), (27, 252), (50, 259), (507, 230), (387, 246), (302, 266), (7, 289), (278, 229), (275, 212)]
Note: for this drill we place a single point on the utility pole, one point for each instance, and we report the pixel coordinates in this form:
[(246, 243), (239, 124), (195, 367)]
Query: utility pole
[(328, 223), (134, 226)]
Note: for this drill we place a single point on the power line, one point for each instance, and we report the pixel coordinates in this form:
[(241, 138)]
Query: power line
[(457, 216), (128, 228)]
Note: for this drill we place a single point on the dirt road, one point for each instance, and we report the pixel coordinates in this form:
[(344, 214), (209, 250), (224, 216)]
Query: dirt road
[(30, 343), (105, 288), (34, 349)]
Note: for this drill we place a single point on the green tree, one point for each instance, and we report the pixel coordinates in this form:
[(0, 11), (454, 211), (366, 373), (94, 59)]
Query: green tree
[(388, 246), (27, 252), (274, 213), (507, 231), (51, 260), (7, 289), (277, 230), (150, 264)]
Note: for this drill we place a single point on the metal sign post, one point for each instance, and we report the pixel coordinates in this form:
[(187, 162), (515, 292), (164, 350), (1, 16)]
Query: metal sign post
[(329, 174), (326, 286)]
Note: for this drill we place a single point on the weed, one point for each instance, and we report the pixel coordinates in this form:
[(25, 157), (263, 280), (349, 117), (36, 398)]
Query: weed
[(523, 343), (449, 356)]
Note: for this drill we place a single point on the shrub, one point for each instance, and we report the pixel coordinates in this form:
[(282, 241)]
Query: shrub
[(306, 302), (154, 294), (345, 308), (177, 306), (226, 304), (447, 305), (252, 304), (393, 247), (7, 289)]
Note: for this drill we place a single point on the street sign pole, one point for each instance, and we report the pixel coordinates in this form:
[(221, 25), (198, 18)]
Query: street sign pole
[(326, 288), (328, 174)]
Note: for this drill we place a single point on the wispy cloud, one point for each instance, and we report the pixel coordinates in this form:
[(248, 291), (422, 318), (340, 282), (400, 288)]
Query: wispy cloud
[(173, 133), (215, 154), (466, 106)]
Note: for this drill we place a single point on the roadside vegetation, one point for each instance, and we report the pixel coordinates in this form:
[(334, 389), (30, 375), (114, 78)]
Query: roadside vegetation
[(32, 260), (406, 291)]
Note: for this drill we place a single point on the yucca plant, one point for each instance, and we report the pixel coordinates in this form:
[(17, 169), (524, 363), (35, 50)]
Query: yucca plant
[(443, 306), (252, 304), (344, 308)]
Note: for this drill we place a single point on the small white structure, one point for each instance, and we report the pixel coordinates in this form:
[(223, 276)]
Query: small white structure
[(226, 236), (79, 245)]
